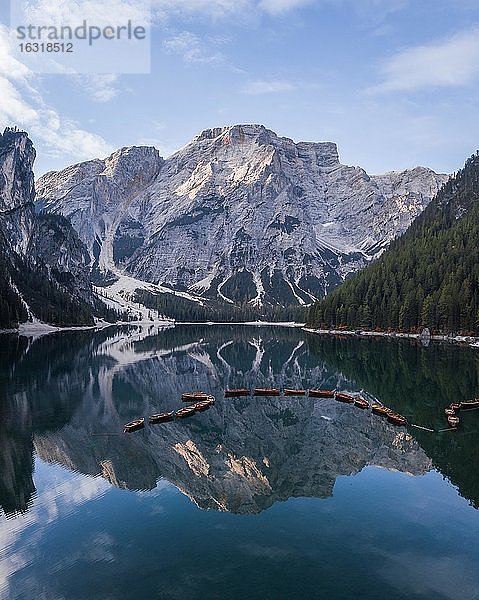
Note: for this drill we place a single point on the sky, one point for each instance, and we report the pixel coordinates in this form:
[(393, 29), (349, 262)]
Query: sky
[(395, 83)]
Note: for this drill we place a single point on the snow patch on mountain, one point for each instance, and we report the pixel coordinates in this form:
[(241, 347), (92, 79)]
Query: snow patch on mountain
[(239, 215), (121, 296)]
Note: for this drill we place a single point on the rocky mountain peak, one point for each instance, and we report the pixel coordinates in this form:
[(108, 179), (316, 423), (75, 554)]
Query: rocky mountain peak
[(16, 175), (133, 163), (123, 157), (44, 269), (232, 133), (12, 136), (238, 215), (316, 153)]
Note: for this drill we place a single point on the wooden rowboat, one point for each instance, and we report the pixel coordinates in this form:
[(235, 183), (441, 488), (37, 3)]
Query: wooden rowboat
[(361, 403), (134, 426), (236, 393), (188, 411), (201, 406), (379, 409), (321, 393), (453, 421), (162, 417), (266, 392), (396, 419), (344, 397), (294, 392), (193, 396), (469, 404)]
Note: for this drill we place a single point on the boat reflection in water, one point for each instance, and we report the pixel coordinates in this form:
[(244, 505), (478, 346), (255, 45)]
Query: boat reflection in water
[(241, 455), (418, 382)]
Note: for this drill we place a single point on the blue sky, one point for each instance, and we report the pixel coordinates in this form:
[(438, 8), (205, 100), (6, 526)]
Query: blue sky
[(395, 83)]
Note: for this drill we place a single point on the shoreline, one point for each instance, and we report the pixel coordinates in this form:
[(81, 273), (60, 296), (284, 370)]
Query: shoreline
[(38, 328), (245, 323), (471, 341)]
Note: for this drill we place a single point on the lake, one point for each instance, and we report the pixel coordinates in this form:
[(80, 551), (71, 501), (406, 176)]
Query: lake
[(255, 498)]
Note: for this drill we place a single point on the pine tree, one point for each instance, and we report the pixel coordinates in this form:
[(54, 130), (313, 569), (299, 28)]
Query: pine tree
[(427, 277)]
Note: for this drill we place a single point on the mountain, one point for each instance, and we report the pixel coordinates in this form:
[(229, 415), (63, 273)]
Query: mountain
[(429, 277), (44, 267), (239, 216)]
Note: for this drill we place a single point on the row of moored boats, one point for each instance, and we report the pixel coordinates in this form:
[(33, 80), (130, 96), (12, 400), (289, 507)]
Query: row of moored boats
[(453, 408), (377, 409), (201, 403)]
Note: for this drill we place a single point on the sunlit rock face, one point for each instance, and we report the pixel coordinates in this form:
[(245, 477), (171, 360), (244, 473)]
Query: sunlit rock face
[(237, 215), (17, 191), (241, 455)]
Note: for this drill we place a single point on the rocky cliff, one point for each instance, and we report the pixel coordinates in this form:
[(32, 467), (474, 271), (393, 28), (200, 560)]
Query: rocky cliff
[(44, 266)]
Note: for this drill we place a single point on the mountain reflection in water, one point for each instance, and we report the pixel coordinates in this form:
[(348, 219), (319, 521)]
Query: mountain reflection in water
[(61, 391)]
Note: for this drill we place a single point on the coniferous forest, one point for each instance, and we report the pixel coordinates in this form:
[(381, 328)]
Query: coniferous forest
[(48, 301), (181, 309), (429, 277)]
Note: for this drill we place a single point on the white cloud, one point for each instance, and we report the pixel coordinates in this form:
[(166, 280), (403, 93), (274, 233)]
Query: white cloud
[(13, 108), (216, 9), (55, 11), (221, 9), (451, 62), (99, 87), (192, 48), (67, 139), (58, 136), (48, 506), (9, 64), (44, 12), (276, 7), (22, 104), (373, 10), (267, 87)]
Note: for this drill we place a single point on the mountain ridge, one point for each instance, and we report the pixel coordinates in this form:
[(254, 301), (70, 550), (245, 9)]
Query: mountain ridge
[(239, 215), (428, 277)]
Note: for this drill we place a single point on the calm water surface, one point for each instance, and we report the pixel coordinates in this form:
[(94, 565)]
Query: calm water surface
[(255, 498)]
